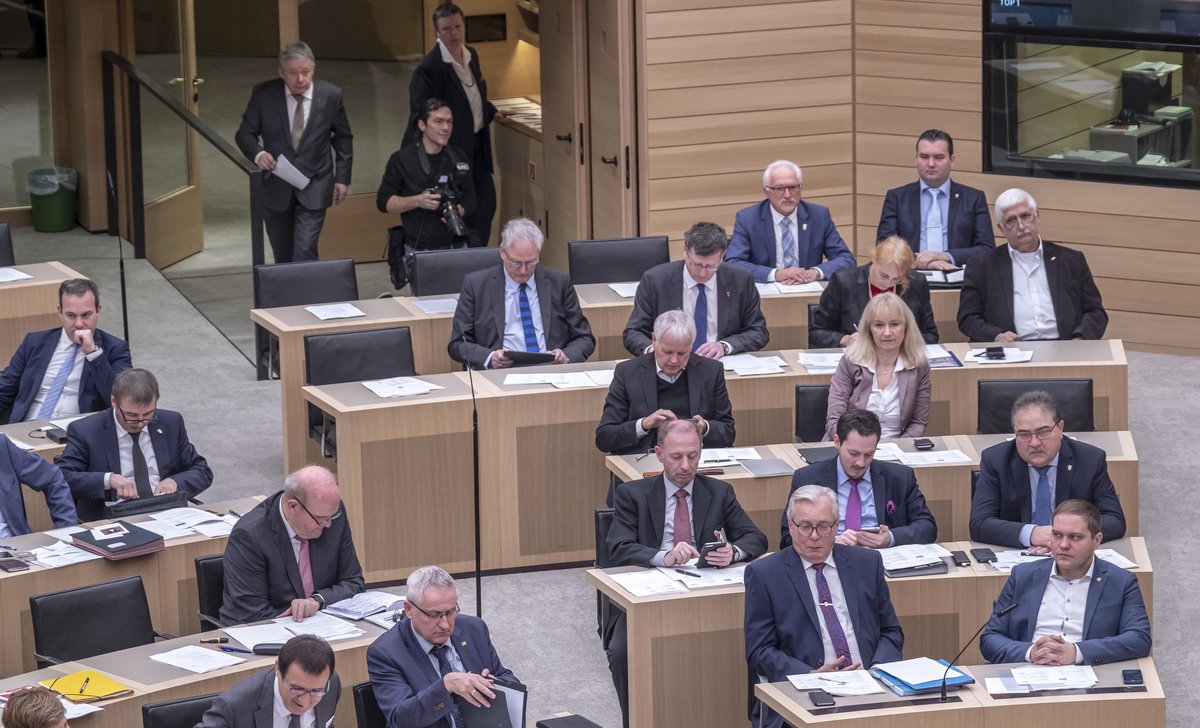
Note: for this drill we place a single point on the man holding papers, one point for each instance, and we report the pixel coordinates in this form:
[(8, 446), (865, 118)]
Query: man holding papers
[(301, 691), (1074, 608), (845, 619), (879, 503), (518, 307), (666, 520), (434, 659), (292, 554)]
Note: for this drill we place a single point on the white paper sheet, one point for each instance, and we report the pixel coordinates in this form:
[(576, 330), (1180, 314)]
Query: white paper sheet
[(888, 451), (693, 577), (64, 534), (1115, 558), (749, 360), (515, 701), (753, 370), (819, 362), (767, 289), (734, 453), (63, 422), (1012, 355), (574, 380), (917, 670), (935, 351), (335, 311), (62, 554), (535, 378), (166, 530), (812, 287), (601, 377), (185, 517), (195, 658), (625, 290), (934, 457), (259, 634), (287, 172), (325, 626), (437, 305), (910, 555), (8, 275), (401, 387), (215, 529), (364, 604), (847, 682), (1061, 677), (1003, 685), (648, 583)]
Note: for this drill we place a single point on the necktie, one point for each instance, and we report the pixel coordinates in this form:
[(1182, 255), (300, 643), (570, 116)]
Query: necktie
[(56, 387), (933, 223), (298, 121), (442, 653), (789, 244), (840, 647), (853, 507), (1043, 509), (701, 315), (683, 521), (531, 342), (305, 565), (141, 473), (294, 721)]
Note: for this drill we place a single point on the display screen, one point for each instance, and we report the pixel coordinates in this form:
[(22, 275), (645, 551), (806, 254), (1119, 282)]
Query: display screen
[(1156, 17)]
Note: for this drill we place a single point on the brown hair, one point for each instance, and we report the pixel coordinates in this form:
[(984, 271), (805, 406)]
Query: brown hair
[(1084, 509), (33, 707)]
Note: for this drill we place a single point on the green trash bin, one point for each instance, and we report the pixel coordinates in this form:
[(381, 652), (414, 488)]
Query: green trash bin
[(52, 197)]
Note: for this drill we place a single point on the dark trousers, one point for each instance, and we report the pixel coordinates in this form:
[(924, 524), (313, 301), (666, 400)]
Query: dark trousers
[(618, 661), (479, 222), (293, 232)]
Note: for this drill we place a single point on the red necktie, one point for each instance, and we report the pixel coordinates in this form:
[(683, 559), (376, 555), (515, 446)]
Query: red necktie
[(305, 568), (683, 521)]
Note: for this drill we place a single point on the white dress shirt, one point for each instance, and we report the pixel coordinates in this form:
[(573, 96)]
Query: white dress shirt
[(466, 79), (1064, 604), (1052, 476), (68, 401), (125, 452), (689, 303), (839, 607), (1033, 309), (885, 402), (281, 717)]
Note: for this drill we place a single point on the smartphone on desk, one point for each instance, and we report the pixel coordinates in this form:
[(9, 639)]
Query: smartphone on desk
[(983, 556), (11, 565), (821, 699), (923, 443), (1131, 677)]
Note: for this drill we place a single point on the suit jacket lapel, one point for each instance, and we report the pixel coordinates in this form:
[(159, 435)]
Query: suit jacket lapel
[(1020, 477), (657, 503), (1031, 604), (879, 491), (495, 292), (316, 107), (725, 312), (158, 440), (264, 713), (647, 378), (861, 293), (544, 300), (766, 232), (802, 235), (846, 575), (1099, 571), (1064, 477), (951, 214), (914, 208), (418, 655), (794, 568), (693, 386), (701, 501), (1054, 282), (674, 291), (1006, 285), (284, 544), (111, 438)]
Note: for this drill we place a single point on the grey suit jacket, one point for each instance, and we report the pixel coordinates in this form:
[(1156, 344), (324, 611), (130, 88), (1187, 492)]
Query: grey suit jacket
[(851, 385), (479, 322), (251, 704)]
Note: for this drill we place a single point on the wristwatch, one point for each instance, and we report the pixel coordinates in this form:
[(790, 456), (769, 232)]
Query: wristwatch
[(320, 600)]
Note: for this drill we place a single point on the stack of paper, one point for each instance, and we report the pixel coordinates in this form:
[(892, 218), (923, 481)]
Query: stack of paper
[(1115, 558), (723, 457), (940, 358), (933, 457), (322, 625), (1006, 560), (401, 387), (8, 275), (820, 363), (912, 555), (888, 451), (386, 619), (536, 378), (648, 583), (748, 365), (625, 290), (1062, 677), (1011, 354), (693, 577), (944, 276), (195, 658), (773, 288), (919, 675), (365, 604), (334, 311), (193, 520), (845, 682), (61, 554), (259, 634), (437, 305)]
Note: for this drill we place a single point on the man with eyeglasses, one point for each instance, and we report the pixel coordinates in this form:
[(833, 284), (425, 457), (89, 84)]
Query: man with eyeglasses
[(300, 691), (435, 659), (518, 306), (1029, 289), (844, 619), (131, 450), (783, 239), (1022, 480), (720, 299), (292, 554)]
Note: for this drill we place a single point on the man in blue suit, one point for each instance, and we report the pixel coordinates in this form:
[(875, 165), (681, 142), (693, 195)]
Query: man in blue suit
[(782, 238), (66, 371), (847, 620), (942, 236), (419, 666), (108, 459), (18, 466), (1074, 609)]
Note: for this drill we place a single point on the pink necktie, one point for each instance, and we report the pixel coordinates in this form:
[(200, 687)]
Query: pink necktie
[(305, 568), (683, 522), (853, 508)]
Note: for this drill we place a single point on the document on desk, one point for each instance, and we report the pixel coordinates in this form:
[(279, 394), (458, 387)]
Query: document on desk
[(1061, 677), (437, 305), (335, 311), (810, 287), (364, 604), (64, 534), (843, 682), (730, 453), (767, 289), (401, 387), (819, 362), (62, 554), (941, 358), (1116, 559), (648, 583), (1012, 355), (1004, 686), (167, 530), (535, 378), (933, 457), (888, 451), (260, 634), (734, 361), (692, 577), (195, 658), (625, 290), (1009, 558), (919, 671), (574, 380), (213, 529), (64, 422), (185, 517), (287, 172), (325, 626), (8, 275), (600, 377), (910, 556)]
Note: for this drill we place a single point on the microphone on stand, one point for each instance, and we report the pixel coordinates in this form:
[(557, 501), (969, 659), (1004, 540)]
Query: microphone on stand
[(995, 615), (475, 463)]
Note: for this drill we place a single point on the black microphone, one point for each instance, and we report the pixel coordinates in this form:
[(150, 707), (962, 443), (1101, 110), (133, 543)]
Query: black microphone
[(475, 480), (995, 615)]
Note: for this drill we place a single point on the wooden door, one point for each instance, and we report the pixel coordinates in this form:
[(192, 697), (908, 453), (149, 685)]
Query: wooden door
[(612, 153)]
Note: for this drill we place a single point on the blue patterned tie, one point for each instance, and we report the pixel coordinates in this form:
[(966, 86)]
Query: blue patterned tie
[(701, 315), (841, 647), (1043, 509), (56, 387), (531, 343), (442, 653), (789, 244)]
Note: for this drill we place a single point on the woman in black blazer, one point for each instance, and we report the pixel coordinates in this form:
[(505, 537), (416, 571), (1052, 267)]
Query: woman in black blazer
[(835, 323)]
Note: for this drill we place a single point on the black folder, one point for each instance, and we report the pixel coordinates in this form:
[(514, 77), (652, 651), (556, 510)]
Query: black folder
[(119, 540)]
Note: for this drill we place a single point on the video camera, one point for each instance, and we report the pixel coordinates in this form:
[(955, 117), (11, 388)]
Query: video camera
[(449, 187)]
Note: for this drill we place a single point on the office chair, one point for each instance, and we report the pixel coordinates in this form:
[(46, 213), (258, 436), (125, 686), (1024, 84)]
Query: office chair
[(91, 620), (352, 356), (812, 402), (6, 248), (367, 708), (615, 260), (177, 713), (974, 482), (996, 398), (813, 307), (210, 588), (437, 272), (604, 608), (297, 284)]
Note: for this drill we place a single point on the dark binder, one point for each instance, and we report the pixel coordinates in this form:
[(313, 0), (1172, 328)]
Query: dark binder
[(527, 358), (940, 567), (119, 540), (498, 715)]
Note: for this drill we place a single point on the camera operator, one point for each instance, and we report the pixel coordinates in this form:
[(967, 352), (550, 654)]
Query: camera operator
[(421, 181)]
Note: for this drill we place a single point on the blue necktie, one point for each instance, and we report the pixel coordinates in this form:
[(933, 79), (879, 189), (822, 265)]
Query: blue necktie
[(933, 223), (1043, 509), (531, 343), (789, 244), (701, 315), (56, 387), (442, 653)]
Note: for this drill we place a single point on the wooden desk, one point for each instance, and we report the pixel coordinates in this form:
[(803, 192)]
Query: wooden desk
[(871, 711), (169, 577), (31, 304)]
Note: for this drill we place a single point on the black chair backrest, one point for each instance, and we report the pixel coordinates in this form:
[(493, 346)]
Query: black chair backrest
[(352, 356), (437, 272), (996, 398), (210, 586), (305, 282), (812, 312), (177, 713), (615, 260), (604, 521), (367, 708), (90, 620), (812, 401), (6, 249)]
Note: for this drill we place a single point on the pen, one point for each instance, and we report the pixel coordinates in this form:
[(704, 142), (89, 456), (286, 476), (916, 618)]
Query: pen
[(226, 648), (687, 573), (234, 513), (83, 687), (214, 640), (1026, 553), (831, 679)]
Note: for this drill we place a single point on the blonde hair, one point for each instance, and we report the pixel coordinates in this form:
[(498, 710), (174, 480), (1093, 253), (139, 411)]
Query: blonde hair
[(912, 348), (33, 707), (895, 250)]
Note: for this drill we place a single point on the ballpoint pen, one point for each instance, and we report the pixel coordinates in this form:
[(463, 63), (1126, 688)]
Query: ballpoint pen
[(239, 650), (83, 686)]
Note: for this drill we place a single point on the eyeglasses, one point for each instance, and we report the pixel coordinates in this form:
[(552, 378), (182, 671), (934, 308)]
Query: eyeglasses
[(780, 189), (299, 692), (822, 529), (1040, 434), (520, 264), (134, 420), (1010, 223), (437, 616), (322, 522), (701, 266)]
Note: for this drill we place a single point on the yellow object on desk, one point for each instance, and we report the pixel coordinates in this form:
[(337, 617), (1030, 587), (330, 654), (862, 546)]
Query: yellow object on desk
[(87, 686)]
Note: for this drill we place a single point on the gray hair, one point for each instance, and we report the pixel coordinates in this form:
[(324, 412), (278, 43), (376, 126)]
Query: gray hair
[(782, 163), (298, 51), (296, 484), (428, 577), (681, 426), (521, 229), (674, 324), (811, 494), (1010, 198), (1036, 398)]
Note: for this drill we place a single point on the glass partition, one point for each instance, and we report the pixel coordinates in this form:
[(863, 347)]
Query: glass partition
[(26, 143)]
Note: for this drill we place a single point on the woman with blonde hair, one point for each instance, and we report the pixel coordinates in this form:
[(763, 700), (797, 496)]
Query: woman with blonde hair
[(892, 268), (884, 370)]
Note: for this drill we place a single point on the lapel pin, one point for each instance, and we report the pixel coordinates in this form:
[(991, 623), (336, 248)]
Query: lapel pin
[(1054, 259), (1099, 579), (956, 195), (159, 431), (1069, 467), (462, 644), (728, 294), (804, 226)]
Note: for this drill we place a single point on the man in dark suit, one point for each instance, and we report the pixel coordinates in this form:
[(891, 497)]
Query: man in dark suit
[(107, 459), (1028, 289), (301, 690), (847, 620), (727, 316), (1074, 609), (292, 554), (66, 371), (782, 238), (662, 386), (19, 466), (946, 235), (434, 659), (871, 493), (500, 311), (301, 119), (665, 520), (1022, 480)]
